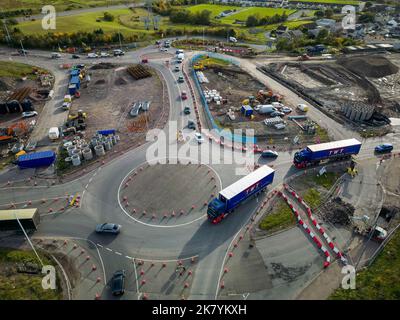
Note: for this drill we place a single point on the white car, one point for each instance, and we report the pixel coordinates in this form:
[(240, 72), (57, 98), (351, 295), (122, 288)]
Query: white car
[(29, 114), (92, 55), (286, 110), (164, 50), (199, 138), (104, 55)]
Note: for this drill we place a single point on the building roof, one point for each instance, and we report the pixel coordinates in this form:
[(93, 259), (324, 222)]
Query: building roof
[(246, 182), (19, 213), (333, 145)]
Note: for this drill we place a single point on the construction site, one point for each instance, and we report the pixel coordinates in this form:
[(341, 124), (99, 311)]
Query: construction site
[(19, 96), (236, 100), (359, 90)]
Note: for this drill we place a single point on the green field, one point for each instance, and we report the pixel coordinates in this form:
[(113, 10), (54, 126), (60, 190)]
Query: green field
[(15, 69), (214, 8), (329, 1), (381, 281), (261, 12), (58, 4), (23, 286), (280, 218)]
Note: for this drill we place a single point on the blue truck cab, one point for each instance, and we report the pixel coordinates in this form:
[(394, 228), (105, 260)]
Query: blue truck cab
[(233, 195), (336, 150)]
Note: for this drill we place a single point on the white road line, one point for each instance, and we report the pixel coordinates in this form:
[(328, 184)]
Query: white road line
[(108, 249), (99, 245), (136, 279), (118, 253), (86, 186), (128, 257)]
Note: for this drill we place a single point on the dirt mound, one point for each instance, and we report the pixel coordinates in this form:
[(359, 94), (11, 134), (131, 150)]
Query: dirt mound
[(339, 212), (369, 66), (101, 81), (120, 81), (103, 65)]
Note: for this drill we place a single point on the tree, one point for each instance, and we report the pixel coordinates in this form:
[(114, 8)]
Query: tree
[(328, 13), (251, 21), (108, 16), (319, 14), (322, 35)]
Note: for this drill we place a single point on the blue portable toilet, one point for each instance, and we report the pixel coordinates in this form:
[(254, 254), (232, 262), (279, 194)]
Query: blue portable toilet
[(247, 110)]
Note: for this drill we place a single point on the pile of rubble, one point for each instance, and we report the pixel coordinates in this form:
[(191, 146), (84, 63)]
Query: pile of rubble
[(338, 212)]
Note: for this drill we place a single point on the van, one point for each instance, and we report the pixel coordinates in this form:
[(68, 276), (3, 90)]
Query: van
[(54, 133), (302, 107), (232, 39), (55, 55)]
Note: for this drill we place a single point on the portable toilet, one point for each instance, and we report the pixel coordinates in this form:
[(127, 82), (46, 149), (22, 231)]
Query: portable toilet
[(247, 110)]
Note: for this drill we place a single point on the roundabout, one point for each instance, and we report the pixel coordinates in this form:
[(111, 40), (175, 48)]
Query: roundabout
[(166, 202)]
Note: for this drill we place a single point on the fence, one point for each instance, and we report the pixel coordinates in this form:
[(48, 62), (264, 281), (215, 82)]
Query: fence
[(224, 133)]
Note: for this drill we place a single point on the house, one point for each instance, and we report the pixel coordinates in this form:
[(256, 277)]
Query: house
[(296, 34), (281, 29), (392, 23)]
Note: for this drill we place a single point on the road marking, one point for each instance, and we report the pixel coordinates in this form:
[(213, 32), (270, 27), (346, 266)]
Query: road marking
[(118, 253), (128, 257), (86, 186), (108, 249), (136, 279), (99, 245)]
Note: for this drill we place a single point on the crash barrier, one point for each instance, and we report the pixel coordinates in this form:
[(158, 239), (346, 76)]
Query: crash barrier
[(226, 135), (300, 221), (314, 221)]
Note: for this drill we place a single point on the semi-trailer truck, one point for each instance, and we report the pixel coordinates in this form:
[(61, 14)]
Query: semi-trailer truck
[(11, 219), (232, 196), (316, 153), (36, 159)]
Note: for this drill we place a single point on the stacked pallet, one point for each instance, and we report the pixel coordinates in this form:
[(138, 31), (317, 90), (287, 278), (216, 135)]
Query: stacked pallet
[(138, 72)]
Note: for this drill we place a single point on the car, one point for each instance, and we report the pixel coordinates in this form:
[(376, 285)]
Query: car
[(66, 105), (22, 52), (277, 114), (108, 228), (92, 55), (199, 138), (118, 283), (286, 110), (75, 56), (104, 55), (177, 69), (80, 66), (17, 147), (28, 114), (31, 146), (163, 49), (118, 52), (158, 42), (302, 107), (269, 154), (191, 125), (184, 95), (186, 110), (145, 60), (385, 147), (178, 51), (181, 79)]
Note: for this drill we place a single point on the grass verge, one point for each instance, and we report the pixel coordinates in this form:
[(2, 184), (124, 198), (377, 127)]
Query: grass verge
[(312, 197), (280, 218)]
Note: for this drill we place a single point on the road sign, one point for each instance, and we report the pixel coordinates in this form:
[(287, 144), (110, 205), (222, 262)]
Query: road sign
[(322, 171)]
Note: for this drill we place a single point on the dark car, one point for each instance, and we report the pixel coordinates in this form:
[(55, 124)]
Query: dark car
[(386, 147), (108, 228), (191, 125), (181, 79), (118, 283), (269, 154), (75, 56), (186, 110)]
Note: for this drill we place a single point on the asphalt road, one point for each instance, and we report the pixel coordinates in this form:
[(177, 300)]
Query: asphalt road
[(100, 202)]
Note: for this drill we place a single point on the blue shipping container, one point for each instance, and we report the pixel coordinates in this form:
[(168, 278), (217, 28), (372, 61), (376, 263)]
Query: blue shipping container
[(72, 89), (106, 132), (74, 72), (75, 80), (36, 159)]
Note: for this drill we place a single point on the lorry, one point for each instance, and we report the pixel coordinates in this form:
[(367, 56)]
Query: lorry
[(36, 159), (54, 133), (317, 153), (10, 220), (235, 194)]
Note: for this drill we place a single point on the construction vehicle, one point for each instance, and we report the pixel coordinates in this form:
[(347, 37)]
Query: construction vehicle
[(12, 132), (79, 115), (303, 57)]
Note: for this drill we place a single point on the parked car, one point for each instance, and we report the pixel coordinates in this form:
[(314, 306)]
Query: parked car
[(277, 114), (181, 79), (163, 49), (108, 228), (66, 105), (75, 56), (28, 114), (186, 110), (17, 147), (158, 42), (31, 146), (92, 55), (286, 109), (269, 154), (118, 52), (177, 69), (104, 55), (118, 283), (386, 147), (199, 138), (145, 60)]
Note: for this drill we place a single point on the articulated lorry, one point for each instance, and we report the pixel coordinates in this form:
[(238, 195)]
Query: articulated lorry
[(11, 219), (324, 152), (36, 159), (232, 196)]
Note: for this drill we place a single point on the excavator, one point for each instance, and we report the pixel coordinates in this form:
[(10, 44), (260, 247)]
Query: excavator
[(10, 133)]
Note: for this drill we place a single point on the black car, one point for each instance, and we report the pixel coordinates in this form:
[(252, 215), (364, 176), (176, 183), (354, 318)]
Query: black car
[(75, 56), (118, 283)]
